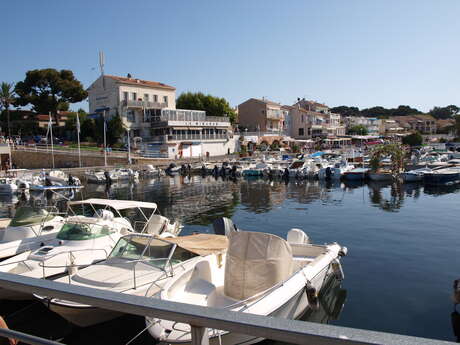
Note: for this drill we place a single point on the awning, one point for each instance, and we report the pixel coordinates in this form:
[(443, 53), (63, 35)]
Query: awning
[(116, 204), (202, 244)]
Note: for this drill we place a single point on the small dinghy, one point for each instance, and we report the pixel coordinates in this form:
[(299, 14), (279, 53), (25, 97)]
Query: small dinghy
[(260, 274)]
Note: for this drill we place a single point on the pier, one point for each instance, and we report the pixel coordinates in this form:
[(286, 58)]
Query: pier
[(202, 318)]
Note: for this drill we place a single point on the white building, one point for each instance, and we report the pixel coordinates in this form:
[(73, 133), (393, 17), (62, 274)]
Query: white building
[(373, 125), (135, 100), (148, 110)]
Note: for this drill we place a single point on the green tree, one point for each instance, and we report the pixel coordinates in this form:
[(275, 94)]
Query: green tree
[(358, 130), (214, 106), (88, 129), (49, 90), (115, 130), (457, 124), (346, 111), (7, 98), (444, 112), (394, 151), (414, 139)]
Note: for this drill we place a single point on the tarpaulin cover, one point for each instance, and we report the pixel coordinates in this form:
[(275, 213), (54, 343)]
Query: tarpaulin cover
[(255, 262)]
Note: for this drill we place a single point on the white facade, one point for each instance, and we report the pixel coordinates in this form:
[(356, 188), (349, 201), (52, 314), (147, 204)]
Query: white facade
[(133, 99), (373, 125)]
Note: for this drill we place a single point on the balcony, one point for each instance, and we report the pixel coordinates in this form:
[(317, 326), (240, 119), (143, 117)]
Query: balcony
[(186, 136), (274, 115), (143, 104)]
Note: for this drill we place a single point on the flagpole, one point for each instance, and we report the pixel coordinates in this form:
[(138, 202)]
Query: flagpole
[(105, 143), (51, 133), (78, 138)]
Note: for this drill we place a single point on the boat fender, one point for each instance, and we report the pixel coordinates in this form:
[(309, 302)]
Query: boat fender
[(312, 296), (343, 251), (337, 269), (42, 244)]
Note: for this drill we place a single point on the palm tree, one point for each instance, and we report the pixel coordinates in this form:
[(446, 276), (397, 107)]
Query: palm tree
[(6, 99)]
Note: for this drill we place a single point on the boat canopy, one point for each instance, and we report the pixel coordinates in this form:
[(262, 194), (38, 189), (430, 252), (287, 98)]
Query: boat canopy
[(202, 244), (116, 204), (255, 262)]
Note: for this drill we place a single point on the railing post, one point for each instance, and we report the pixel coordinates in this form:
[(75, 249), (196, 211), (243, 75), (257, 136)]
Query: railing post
[(200, 335)]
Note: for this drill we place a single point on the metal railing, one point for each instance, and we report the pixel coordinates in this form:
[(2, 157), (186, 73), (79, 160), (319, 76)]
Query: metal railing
[(186, 136), (143, 104), (200, 318)]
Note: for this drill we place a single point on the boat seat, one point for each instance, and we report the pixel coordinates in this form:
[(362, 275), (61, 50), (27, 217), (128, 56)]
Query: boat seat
[(201, 280)]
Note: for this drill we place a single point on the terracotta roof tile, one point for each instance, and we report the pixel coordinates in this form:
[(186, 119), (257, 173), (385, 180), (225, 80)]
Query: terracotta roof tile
[(135, 81)]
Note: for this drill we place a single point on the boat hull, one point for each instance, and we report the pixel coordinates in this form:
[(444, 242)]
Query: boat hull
[(440, 179), (380, 177), (293, 308), (82, 316)]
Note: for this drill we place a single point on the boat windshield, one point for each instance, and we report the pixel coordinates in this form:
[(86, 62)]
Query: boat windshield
[(296, 165), (28, 215), (80, 231), (153, 250)]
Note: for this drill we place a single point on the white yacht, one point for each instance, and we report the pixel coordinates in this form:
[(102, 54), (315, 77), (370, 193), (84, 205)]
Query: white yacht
[(137, 264), (85, 239), (29, 228), (259, 274), (335, 171)]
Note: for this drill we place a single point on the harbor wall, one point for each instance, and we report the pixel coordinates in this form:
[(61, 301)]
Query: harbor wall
[(44, 160)]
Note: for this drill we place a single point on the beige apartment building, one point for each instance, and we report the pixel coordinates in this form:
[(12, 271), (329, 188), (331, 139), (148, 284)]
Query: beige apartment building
[(261, 115), (135, 100), (310, 119)]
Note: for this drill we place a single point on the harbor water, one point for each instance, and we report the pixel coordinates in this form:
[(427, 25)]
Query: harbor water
[(402, 244)]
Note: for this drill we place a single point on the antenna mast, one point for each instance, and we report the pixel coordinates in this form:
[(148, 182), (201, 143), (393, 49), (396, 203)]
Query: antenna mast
[(101, 66)]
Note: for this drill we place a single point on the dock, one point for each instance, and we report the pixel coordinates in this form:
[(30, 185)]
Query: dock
[(202, 318)]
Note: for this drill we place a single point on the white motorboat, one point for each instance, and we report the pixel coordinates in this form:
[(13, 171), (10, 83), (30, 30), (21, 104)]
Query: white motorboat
[(137, 264), (8, 185), (151, 171), (123, 174), (415, 175), (54, 179), (356, 174), (336, 171), (260, 274), (83, 239), (299, 169), (96, 176), (256, 170), (29, 228)]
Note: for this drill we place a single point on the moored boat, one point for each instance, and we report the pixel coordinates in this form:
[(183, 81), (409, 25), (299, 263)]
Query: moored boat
[(446, 176), (260, 274), (356, 174)]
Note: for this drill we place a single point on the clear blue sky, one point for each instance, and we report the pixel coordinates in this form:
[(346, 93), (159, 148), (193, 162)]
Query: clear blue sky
[(361, 53)]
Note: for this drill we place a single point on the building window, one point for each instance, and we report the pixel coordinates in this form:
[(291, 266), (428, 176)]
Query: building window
[(130, 116), (303, 120), (301, 132), (165, 100), (146, 97), (134, 96), (125, 96), (155, 98)]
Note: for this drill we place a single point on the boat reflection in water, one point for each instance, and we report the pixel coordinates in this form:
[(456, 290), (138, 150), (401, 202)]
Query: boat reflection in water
[(331, 301)]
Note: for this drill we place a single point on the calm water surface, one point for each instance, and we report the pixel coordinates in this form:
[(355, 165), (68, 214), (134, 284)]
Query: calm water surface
[(403, 242)]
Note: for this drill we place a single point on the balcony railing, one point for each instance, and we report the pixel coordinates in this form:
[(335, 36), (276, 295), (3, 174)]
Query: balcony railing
[(274, 116), (189, 118), (185, 136), (143, 104)]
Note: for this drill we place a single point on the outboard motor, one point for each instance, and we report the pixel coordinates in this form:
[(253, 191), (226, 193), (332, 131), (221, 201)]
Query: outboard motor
[(223, 226), (286, 173), (203, 170), (108, 179), (71, 181), (47, 181), (328, 173), (233, 172), (215, 170)]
